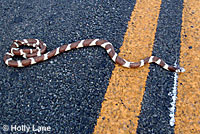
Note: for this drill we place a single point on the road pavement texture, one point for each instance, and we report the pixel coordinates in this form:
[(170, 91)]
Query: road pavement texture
[(65, 92), (167, 46), (83, 91)]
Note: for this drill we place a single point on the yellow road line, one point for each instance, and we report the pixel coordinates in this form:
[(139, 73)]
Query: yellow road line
[(122, 104), (188, 101)]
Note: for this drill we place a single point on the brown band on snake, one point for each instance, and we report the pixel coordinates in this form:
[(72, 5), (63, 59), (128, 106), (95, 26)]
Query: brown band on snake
[(39, 58), (74, 45), (172, 69), (26, 62), (51, 53), (162, 63), (120, 61), (62, 48), (37, 54), (135, 65)]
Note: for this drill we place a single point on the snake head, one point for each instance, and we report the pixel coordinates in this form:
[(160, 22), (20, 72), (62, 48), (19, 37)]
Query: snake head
[(180, 70)]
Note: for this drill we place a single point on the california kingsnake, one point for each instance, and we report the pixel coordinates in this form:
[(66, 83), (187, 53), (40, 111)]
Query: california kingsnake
[(33, 56)]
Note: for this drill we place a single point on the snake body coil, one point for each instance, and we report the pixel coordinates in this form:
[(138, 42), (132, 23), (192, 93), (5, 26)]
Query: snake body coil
[(33, 56)]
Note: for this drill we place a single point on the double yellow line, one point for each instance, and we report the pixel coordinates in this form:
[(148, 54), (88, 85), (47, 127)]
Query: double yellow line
[(121, 108), (122, 104)]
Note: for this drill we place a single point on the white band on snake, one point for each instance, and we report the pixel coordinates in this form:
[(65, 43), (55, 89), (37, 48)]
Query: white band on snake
[(33, 56)]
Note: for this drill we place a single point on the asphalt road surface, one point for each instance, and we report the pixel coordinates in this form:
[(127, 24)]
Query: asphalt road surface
[(66, 93)]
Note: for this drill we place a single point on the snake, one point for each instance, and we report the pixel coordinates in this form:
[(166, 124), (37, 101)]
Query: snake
[(36, 53)]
